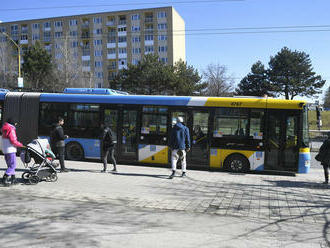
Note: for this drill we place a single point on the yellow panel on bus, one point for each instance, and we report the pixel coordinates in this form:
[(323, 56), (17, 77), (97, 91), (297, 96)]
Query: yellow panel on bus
[(218, 156), (154, 154)]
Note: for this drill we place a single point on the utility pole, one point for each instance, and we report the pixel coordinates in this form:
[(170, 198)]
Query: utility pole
[(20, 83)]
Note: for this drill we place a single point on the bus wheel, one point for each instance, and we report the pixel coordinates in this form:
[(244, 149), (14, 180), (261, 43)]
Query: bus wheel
[(74, 151), (237, 163)]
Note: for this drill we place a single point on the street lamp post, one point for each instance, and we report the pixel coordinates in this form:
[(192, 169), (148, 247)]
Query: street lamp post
[(20, 79)]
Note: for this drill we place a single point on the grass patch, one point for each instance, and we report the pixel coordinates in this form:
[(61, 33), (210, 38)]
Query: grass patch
[(325, 117)]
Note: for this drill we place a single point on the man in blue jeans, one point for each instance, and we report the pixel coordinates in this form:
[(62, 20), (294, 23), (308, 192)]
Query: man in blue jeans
[(179, 144)]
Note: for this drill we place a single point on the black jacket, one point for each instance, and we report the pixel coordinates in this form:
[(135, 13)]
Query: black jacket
[(324, 152), (57, 136)]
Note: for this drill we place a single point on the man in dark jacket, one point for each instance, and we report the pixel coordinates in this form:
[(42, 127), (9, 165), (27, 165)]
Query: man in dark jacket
[(324, 155), (107, 147), (57, 138), (179, 144)]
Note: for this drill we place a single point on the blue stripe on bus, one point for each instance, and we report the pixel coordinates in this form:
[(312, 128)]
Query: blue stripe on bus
[(130, 99), (2, 95)]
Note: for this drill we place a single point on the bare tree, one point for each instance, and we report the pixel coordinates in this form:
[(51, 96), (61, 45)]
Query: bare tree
[(217, 80), (8, 66), (69, 68)]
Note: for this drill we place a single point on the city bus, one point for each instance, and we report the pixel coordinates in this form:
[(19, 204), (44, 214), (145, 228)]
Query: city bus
[(231, 133)]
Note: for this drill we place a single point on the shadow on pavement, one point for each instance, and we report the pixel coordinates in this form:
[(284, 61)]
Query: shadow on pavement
[(297, 184)]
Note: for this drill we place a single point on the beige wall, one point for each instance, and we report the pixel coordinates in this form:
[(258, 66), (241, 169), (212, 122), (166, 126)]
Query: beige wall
[(178, 34)]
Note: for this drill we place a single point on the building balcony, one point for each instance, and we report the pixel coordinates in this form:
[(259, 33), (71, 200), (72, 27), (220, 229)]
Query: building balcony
[(122, 55), (112, 67), (110, 23), (111, 56), (86, 68), (122, 22), (148, 19), (149, 42), (85, 25), (111, 45), (123, 33), (122, 44)]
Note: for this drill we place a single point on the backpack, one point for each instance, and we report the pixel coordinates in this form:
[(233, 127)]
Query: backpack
[(107, 140)]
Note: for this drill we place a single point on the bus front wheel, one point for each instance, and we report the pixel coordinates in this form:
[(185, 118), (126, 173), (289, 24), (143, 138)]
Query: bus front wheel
[(237, 163), (74, 151)]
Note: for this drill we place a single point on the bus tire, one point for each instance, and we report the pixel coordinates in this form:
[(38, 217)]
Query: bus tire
[(237, 163), (74, 151)]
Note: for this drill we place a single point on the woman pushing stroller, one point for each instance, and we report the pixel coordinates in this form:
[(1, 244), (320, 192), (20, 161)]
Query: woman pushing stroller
[(9, 148)]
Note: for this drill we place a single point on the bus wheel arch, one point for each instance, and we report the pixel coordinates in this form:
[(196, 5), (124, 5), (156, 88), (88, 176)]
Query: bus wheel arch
[(237, 163), (74, 151)]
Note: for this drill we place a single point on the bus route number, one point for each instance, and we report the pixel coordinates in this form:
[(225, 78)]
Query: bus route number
[(236, 104)]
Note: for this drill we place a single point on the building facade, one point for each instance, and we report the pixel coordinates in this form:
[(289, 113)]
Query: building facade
[(104, 43)]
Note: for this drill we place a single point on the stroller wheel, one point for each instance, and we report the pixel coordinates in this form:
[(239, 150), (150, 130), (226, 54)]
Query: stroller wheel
[(33, 179), (26, 175), (53, 177)]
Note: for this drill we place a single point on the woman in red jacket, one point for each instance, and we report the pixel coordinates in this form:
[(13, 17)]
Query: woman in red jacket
[(9, 144)]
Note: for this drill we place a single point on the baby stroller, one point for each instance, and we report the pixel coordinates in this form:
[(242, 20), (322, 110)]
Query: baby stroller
[(43, 167)]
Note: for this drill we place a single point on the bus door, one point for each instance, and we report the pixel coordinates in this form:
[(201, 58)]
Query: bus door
[(110, 117), (282, 145), (197, 122), (127, 142), (199, 133), (152, 147)]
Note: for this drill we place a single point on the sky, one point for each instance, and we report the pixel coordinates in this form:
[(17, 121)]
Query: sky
[(233, 33)]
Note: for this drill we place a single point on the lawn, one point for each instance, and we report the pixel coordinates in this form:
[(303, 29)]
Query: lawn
[(325, 117)]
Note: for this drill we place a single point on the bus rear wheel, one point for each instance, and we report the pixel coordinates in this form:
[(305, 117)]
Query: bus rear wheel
[(74, 151), (237, 163)]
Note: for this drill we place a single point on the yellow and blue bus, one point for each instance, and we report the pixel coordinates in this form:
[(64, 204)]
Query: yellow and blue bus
[(236, 134)]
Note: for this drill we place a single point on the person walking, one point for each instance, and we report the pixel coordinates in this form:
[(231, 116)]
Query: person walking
[(9, 148), (324, 157), (107, 147), (179, 144), (57, 138)]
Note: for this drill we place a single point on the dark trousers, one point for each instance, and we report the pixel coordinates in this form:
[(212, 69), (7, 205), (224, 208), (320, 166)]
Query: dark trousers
[(110, 150), (60, 153), (326, 172)]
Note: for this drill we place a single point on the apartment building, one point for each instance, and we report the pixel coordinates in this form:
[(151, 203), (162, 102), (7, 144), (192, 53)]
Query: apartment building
[(103, 43)]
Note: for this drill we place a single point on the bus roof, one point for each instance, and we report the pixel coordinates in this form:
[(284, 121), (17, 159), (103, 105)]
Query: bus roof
[(174, 100)]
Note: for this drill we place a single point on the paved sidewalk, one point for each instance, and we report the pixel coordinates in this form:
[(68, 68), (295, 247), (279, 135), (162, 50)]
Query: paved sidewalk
[(254, 210)]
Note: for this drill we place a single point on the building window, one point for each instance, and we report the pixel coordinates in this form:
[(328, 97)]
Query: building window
[(74, 44), (161, 14), (112, 51), (122, 39), (24, 37), (135, 17), (162, 37), (162, 26), (98, 31), (162, 49), (98, 64), (2, 29), (122, 29), (86, 63), (58, 34), (97, 20), (136, 50), (47, 36), (73, 22), (135, 61), (164, 60), (148, 37), (97, 42), (99, 74), (135, 28), (98, 53), (73, 33), (35, 26), (149, 49), (113, 65), (58, 24), (35, 37), (136, 39), (122, 50), (47, 25)]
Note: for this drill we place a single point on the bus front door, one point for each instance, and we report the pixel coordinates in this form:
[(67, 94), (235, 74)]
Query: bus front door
[(282, 145), (127, 147)]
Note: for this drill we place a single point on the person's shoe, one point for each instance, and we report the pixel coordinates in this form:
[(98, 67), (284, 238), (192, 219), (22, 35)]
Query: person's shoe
[(183, 174), (172, 175), (65, 170), (103, 171), (326, 182), (6, 180), (114, 169), (13, 180)]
